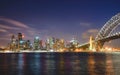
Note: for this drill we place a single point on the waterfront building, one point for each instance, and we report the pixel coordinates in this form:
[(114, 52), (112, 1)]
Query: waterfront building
[(36, 43), (56, 44), (27, 45), (73, 44), (50, 43), (13, 43), (62, 43), (74, 41), (19, 36), (21, 42), (41, 44), (47, 45)]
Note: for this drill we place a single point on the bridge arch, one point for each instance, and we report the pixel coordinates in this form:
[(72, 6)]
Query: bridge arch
[(113, 23), (106, 30), (104, 34)]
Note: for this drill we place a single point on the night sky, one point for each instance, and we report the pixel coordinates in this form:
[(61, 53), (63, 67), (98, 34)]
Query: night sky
[(57, 18)]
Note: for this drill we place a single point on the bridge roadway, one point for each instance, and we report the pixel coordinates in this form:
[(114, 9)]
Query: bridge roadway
[(106, 39), (111, 37), (104, 34)]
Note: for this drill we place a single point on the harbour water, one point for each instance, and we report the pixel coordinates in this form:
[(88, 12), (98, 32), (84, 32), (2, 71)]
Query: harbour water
[(69, 63)]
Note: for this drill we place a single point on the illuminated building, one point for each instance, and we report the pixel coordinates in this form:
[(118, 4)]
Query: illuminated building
[(74, 41), (73, 44), (47, 45), (62, 43), (41, 44), (27, 45), (20, 41), (36, 43), (19, 36), (56, 44), (19, 44), (13, 43), (51, 42)]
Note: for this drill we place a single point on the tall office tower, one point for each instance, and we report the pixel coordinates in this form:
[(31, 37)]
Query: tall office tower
[(13, 43), (20, 41), (52, 41), (19, 36), (36, 43), (47, 44), (73, 44), (27, 44), (12, 37), (41, 44), (62, 44)]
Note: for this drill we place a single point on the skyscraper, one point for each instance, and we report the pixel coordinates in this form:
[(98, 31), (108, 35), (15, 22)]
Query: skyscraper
[(20, 41), (13, 43), (36, 43), (19, 36)]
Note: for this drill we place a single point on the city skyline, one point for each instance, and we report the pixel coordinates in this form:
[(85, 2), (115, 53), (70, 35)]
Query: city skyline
[(61, 19)]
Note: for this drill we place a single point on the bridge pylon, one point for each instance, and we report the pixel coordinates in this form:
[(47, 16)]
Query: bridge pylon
[(99, 45), (92, 43)]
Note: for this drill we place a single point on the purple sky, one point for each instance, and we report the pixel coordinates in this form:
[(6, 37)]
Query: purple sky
[(58, 18)]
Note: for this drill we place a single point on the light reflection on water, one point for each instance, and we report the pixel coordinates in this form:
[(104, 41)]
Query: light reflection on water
[(60, 63)]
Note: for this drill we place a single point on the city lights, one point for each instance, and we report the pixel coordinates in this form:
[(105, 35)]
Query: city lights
[(36, 37), (21, 42), (53, 44)]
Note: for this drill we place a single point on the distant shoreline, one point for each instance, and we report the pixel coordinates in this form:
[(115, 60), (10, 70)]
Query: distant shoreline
[(43, 51)]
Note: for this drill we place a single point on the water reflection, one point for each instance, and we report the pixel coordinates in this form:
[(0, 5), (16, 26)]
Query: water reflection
[(109, 65), (61, 66), (50, 65), (100, 64), (116, 63), (91, 65), (75, 65), (20, 64), (59, 63)]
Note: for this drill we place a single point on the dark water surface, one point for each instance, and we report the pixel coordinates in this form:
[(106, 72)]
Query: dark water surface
[(60, 64)]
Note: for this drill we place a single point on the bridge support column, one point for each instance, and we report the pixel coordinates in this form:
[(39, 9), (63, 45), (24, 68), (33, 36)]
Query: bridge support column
[(92, 44), (98, 45)]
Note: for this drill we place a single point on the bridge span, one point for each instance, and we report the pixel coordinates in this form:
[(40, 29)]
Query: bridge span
[(106, 39), (104, 35)]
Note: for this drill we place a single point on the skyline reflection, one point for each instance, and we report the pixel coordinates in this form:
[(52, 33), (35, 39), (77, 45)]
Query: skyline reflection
[(58, 63)]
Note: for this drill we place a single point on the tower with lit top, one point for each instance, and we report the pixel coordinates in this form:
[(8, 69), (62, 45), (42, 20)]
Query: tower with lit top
[(13, 43), (92, 44), (36, 43), (20, 41)]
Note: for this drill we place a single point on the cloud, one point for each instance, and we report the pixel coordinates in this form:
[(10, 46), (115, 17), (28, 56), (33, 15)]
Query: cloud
[(90, 32), (93, 31), (4, 38), (12, 27), (3, 30), (85, 24), (15, 23), (8, 27)]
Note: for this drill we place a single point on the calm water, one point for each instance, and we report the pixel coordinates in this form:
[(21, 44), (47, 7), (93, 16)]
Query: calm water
[(60, 63)]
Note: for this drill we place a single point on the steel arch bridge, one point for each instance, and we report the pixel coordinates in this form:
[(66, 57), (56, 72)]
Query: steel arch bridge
[(106, 30), (109, 27), (105, 33)]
